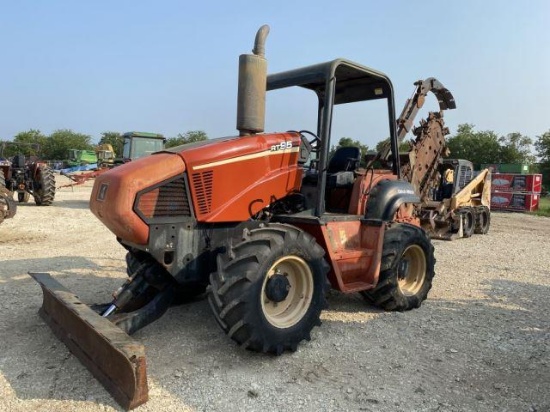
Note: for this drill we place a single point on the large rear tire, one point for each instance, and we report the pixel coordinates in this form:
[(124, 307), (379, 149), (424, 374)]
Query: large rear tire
[(406, 271), (269, 290), (483, 220), (44, 186)]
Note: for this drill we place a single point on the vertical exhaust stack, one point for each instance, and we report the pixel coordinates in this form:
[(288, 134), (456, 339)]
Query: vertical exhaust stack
[(252, 87)]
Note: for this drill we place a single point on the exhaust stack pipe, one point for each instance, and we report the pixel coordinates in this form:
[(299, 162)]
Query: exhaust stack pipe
[(252, 87)]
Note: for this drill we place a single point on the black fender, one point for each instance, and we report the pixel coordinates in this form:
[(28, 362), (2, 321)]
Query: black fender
[(386, 197)]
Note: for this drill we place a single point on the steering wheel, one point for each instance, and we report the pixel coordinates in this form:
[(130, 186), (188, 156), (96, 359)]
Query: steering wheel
[(315, 143)]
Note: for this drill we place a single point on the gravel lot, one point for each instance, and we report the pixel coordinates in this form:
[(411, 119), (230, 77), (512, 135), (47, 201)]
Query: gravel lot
[(479, 343)]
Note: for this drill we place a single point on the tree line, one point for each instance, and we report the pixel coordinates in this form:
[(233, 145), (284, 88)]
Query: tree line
[(56, 145), (479, 147), (485, 147)]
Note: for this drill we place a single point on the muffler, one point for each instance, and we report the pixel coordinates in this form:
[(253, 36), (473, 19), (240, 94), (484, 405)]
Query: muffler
[(252, 87)]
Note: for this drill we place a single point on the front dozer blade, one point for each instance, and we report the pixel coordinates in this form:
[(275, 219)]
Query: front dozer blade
[(112, 356)]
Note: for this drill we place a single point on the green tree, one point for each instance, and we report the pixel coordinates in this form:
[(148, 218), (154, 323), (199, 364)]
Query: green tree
[(404, 147), (188, 137), (60, 141), (28, 143), (515, 148), (477, 147), (115, 139), (542, 145)]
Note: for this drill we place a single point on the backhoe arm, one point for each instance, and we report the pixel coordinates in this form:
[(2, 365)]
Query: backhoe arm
[(413, 105)]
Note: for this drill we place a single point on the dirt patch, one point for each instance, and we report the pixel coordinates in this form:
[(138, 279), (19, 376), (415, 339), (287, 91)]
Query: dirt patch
[(479, 343)]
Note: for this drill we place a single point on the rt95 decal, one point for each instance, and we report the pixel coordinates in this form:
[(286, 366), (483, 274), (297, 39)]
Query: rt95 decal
[(282, 146)]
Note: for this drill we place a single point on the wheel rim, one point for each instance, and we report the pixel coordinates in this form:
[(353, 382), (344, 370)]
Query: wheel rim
[(482, 219), (294, 306), (412, 270), (468, 221)]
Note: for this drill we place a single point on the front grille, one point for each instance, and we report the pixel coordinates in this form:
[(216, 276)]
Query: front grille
[(168, 199)]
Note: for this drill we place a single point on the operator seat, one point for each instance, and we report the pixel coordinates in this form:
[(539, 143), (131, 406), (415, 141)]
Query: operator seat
[(340, 178), (342, 165)]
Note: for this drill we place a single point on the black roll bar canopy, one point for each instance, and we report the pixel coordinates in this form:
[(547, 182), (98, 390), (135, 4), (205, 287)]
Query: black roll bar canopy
[(339, 81)]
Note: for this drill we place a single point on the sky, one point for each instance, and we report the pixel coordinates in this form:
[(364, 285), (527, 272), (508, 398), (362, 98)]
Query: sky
[(171, 66)]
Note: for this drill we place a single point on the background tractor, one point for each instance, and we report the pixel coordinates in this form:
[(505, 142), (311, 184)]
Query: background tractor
[(136, 145), (79, 157), (140, 144), (459, 201), (8, 207), (28, 177), (105, 155), (265, 222)]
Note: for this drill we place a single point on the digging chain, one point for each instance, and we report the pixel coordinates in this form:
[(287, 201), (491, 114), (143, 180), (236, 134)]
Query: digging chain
[(428, 149)]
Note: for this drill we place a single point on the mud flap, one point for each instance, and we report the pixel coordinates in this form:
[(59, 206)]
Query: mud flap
[(112, 356)]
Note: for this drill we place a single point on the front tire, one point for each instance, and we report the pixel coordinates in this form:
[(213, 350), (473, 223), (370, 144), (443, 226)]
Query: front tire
[(483, 220), (406, 270), (269, 289), (465, 217)]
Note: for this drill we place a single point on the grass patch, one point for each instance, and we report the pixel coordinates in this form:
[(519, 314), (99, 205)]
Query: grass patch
[(544, 207)]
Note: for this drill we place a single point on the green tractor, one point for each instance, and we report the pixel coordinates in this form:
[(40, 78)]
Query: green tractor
[(140, 144), (77, 157)]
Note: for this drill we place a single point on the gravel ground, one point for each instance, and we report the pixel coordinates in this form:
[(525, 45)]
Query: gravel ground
[(479, 343)]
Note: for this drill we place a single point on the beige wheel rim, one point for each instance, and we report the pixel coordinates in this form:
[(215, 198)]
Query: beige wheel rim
[(411, 278), (292, 309)]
